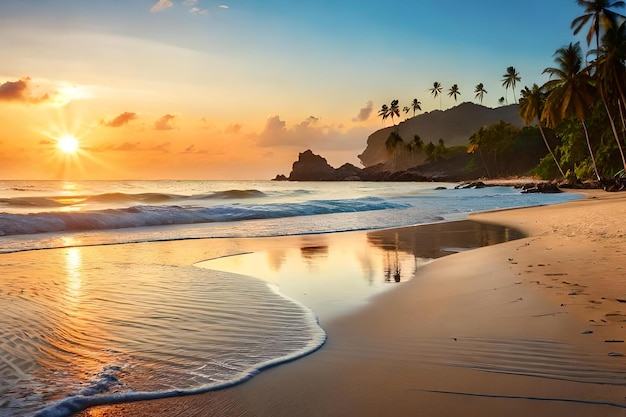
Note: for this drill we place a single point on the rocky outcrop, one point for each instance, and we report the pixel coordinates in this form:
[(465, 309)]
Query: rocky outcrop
[(311, 167)]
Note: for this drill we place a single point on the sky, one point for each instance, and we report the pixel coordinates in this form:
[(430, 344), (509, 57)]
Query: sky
[(236, 89)]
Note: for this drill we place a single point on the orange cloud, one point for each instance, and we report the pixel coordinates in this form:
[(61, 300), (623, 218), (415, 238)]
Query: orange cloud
[(233, 128), (20, 91), (131, 147), (166, 122), (193, 150), (310, 133), (121, 120)]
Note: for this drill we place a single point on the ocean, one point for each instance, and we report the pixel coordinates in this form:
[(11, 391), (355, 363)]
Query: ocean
[(115, 291)]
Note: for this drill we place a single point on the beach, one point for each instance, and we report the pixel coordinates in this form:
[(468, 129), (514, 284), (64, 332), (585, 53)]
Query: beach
[(528, 327)]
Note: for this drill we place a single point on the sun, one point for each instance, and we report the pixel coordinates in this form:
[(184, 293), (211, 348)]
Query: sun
[(68, 144)]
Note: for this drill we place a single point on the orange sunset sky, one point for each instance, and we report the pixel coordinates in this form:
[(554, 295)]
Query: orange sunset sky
[(194, 89)]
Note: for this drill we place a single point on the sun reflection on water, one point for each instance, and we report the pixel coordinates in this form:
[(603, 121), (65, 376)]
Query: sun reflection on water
[(73, 265)]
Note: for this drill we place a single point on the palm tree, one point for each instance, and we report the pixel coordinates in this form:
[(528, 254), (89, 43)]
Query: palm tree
[(480, 92), (415, 145), (384, 112), (454, 91), (394, 109), (569, 91), (391, 144), (598, 13), (436, 91), (530, 108), (501, 101), (416, 105), (610, 74), (510, 79)]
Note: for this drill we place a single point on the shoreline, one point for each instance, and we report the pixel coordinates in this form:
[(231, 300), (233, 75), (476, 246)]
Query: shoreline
[(528, 327)]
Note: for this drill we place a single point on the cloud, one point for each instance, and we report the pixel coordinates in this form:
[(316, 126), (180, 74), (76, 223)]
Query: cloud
[(126, 146), (196, 10), (131, 147), (161, 5), (365, 112), (234, 128), (20, 91), (193, 150), (223, 6), (310, 133), (166, 122), (162, 147), (190, 2), (121, 120)]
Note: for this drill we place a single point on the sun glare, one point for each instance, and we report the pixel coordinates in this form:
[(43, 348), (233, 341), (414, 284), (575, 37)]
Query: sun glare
[(68, 144)]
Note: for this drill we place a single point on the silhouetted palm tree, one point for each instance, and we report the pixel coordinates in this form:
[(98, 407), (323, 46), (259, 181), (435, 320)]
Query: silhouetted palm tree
[(530, 108), (454, 91), (510, 79), (416, 105), (384, 112), (394, 110), (480, 92), (569, 91), (436, 91)]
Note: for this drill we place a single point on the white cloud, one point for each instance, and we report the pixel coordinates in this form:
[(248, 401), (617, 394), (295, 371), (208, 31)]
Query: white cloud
[(223, 6), (160, 5), (196, 10)]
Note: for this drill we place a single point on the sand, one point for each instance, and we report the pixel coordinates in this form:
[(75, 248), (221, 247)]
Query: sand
[(528, 327)]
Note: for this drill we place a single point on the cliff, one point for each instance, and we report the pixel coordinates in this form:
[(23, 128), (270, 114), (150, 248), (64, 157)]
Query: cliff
[(454, 126)]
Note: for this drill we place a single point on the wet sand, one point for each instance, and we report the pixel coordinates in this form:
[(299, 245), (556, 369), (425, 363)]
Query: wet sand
[(528, 327)]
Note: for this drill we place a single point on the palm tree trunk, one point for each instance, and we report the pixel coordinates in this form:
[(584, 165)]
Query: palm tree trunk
[(550, 149), (482, 158), (619, 145), (593, 158)]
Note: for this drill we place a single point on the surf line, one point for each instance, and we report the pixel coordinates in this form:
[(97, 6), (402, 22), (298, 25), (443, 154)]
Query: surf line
[(523, 397)]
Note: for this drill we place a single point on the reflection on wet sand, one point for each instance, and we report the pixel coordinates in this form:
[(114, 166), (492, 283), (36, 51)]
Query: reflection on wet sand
[(335, 275)]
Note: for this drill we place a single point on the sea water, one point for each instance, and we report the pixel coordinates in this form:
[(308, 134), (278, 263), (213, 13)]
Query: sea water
[(87, 319)]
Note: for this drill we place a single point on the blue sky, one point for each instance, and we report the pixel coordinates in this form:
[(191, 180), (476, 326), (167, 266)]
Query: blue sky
[(283, 75)]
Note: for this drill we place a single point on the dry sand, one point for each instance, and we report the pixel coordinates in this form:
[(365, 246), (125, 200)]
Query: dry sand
[(532, 327)]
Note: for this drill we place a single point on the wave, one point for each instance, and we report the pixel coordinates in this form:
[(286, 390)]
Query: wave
[(120, 198), (161, 215)]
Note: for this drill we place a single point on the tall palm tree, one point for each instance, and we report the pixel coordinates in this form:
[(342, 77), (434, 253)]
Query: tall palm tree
[(530, 108), (384, 112), (569, 91), (510, 79), (416, 105), (480, 92), (436, 91), (610, 74), (598, 13), (454, 91)]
